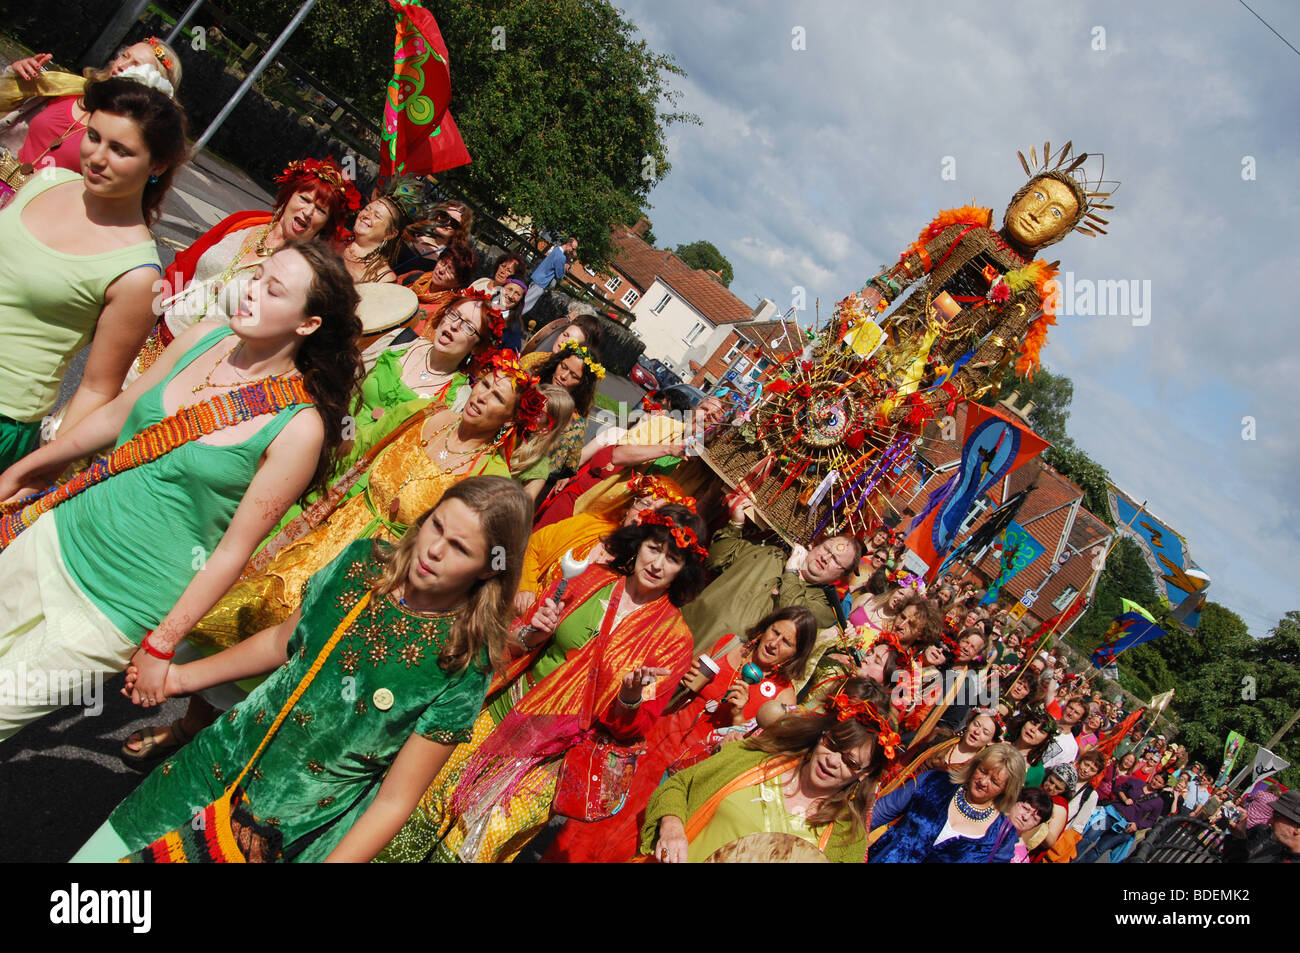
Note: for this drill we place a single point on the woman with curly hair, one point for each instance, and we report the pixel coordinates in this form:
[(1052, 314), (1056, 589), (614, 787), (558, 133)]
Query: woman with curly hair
[(504, 424), (811, 777), (414, 628), (449, 223), (574, 696), (214, 442)]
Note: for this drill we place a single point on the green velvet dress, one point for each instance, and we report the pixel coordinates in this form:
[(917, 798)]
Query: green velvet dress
[(322, 769)]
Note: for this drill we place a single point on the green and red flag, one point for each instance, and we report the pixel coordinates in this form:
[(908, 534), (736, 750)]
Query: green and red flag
[(419, 135)]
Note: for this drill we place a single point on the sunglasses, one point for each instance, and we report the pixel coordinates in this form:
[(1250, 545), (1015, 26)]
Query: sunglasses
[(849, 762), (442, 218)]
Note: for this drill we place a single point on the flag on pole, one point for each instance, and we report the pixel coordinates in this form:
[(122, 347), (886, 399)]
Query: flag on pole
[(1231, 748), (419, 135), (1127, 630), (1130, 606), (993, 445)]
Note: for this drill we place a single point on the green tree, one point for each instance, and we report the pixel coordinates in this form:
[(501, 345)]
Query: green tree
[(558, 101), (705, 255), (1087, 473)]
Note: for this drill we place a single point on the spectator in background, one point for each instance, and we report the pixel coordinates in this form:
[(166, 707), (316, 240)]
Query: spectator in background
[(507, 287), (1277, 842), (550, 271), (449, 225), (1138, 807)]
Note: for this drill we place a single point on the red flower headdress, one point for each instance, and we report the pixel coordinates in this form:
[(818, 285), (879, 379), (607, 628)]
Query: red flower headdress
[(531, 414), (905, 657), (661, 489), (492, 320), (684, 536), (328, 173), (862, 711)]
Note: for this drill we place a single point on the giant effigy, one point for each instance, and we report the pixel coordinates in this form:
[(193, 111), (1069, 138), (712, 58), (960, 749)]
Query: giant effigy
[(820, 447)]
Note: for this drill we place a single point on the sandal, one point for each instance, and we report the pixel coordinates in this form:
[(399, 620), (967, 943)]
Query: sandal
[(151, 750)]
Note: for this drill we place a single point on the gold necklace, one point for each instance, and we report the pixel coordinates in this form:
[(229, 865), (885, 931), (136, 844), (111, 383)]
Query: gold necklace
[(260, 248), (207, 381)]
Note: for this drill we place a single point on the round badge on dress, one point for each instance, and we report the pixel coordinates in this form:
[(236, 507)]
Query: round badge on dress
[(382, 698), (767, 690)]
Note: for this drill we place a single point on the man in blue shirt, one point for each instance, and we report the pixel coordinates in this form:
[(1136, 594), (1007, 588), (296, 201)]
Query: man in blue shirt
[(550, 271)]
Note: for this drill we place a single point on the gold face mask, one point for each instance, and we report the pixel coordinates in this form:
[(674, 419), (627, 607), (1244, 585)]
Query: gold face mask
[(1043, 214)]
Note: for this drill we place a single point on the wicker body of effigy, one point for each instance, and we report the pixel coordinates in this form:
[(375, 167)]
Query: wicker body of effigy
[(839, 423)]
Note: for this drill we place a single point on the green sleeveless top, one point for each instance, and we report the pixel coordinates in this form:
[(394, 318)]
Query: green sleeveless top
[(49, 303), (134, 542)]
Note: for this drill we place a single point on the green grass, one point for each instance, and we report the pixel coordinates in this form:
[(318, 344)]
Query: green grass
[(606, 403)]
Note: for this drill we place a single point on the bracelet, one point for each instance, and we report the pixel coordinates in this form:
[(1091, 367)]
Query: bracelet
[(633, 706), (144, 644), (522, 643)]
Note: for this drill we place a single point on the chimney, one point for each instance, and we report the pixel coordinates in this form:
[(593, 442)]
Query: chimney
[(641, 227)]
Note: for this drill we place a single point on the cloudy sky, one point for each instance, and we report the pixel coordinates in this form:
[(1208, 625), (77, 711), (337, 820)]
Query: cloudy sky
[(816, 166)]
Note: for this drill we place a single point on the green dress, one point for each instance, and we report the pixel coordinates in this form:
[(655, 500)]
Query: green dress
[(322, 769)]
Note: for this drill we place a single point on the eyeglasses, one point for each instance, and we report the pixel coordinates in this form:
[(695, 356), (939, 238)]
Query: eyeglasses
[(829, 741), (442, 218), (456, 321)]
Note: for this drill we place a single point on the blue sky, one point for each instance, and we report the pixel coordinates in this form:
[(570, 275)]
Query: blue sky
[(816, 166)]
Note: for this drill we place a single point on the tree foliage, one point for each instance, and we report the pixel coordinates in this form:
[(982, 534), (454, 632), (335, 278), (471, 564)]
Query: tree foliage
[(1051, 393), (705, 255), (558, 101)]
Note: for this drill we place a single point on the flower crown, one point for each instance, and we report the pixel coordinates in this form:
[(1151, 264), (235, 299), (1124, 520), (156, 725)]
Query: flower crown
[(327, 172), (492, 319), (532, 402), (904, 578), (891, 639), (150, 77), (863, 712), (650, 485), (160, 51), (684, 536), (581, 351)]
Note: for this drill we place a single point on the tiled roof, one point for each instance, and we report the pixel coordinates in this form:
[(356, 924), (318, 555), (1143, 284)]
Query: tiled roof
[(765, 332), (642, 263)]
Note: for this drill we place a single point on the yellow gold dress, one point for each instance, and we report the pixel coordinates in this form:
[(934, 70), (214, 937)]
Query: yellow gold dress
[(404, 472)]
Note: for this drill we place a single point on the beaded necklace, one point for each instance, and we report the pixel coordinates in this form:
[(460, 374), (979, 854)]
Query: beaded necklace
[(971, 813)]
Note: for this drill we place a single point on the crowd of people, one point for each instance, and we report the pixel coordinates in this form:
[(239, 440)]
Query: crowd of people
[(419, 616)]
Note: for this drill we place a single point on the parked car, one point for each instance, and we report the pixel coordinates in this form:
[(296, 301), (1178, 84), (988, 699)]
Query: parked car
[(642, 375), (680, 397), (664, 374)]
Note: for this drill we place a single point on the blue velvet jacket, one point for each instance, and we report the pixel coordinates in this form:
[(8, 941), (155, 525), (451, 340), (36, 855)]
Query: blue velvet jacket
[(921, 805)]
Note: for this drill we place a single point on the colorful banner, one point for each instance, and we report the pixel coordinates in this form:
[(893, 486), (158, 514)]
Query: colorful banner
[(419, 134), (1023, 550), (1131, 606), (993, 445), (1126, 631), (1265, 765), (1177, 577), (1231, 748)]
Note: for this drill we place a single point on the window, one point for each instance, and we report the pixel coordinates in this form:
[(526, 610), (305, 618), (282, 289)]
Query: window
[(1063, 600), (731, 355), (978, 508), (742, 365), (694, 333), (663, 303), (613, 283), (629, 299)]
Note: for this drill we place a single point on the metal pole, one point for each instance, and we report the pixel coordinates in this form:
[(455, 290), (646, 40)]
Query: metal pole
[(128, 12), (251, 78), (186, 17)]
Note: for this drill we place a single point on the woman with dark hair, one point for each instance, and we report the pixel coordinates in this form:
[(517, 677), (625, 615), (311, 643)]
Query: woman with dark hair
[(713, 707), (214, 442), (313, 201), (810, 776), (452, 270), (44, 114), (953, 816), (573, 696), (1030, 734), (340, 788), (78, 264), (1032, 810), (578, 370), (507, 285), (449, 223)]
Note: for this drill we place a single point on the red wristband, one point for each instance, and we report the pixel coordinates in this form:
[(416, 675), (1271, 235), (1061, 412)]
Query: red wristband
[(144, 644)]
